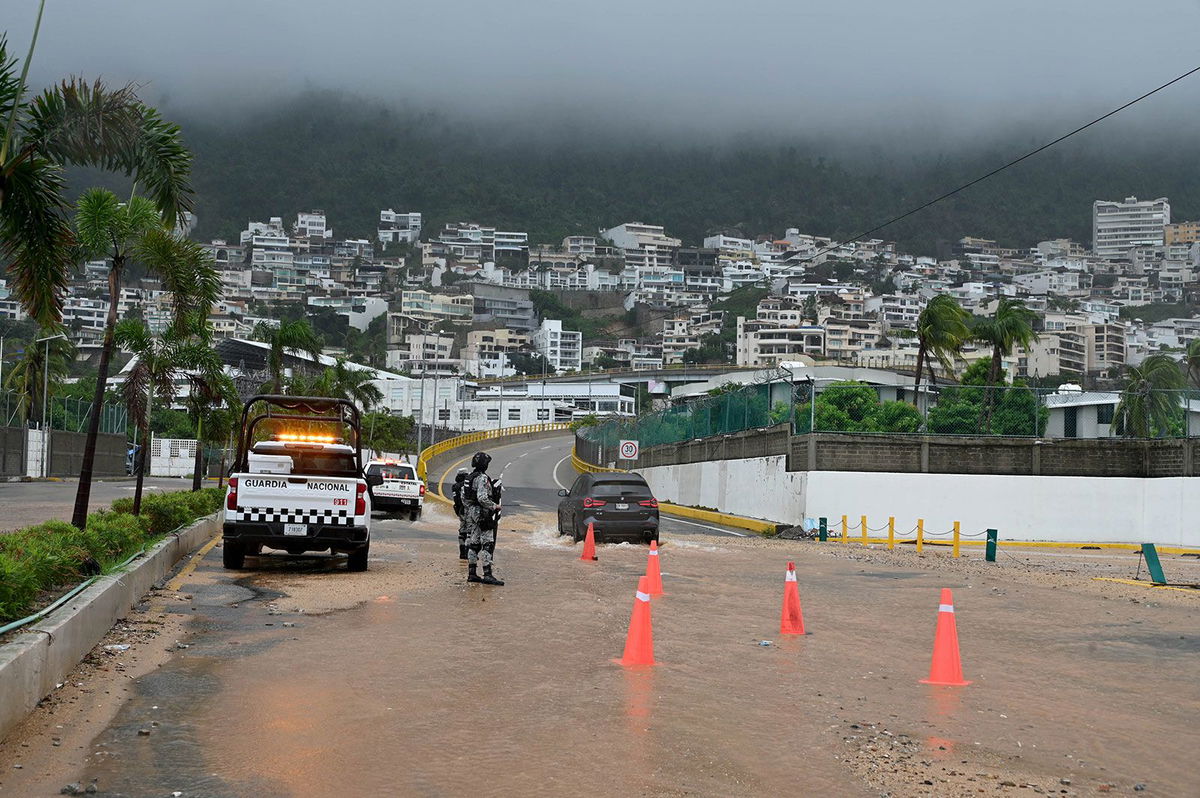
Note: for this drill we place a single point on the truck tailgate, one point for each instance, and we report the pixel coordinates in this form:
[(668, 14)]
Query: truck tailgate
[(302, 499), (398, 489)]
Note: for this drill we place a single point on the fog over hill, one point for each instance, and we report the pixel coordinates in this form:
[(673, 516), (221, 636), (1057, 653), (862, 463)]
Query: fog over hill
[(559, 116)]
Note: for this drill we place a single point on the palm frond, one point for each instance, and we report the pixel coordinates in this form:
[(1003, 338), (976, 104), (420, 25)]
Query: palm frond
[(35, 238)]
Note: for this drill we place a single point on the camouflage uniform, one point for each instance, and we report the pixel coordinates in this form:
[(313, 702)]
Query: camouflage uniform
[(481, 543), (461, 511)]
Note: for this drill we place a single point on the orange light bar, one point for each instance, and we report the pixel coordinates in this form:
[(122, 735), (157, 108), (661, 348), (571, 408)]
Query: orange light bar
[(291, 436)]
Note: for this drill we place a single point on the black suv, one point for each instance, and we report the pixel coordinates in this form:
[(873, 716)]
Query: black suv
[(620, 506)]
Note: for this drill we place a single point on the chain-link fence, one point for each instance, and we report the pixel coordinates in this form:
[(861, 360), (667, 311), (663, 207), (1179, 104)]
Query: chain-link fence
[(999, 411), (62, 413)]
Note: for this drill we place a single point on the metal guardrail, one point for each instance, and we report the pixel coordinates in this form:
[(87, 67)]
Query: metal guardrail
[(430, 452)]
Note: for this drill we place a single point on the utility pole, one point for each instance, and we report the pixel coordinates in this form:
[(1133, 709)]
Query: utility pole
[(45, 396)]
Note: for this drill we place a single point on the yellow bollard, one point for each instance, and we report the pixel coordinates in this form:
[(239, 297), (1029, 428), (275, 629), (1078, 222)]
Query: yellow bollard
[(863, 520), (891, 532), (920, 535), (845, 531), (956, 530)]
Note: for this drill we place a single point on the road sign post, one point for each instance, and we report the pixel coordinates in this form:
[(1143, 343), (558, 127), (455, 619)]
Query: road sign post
[(628, 450)]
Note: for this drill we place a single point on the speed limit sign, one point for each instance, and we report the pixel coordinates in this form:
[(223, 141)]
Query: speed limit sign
[(629, 450)]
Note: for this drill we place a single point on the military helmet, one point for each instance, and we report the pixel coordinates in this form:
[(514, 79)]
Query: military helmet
[(462, 475), (480, 460)]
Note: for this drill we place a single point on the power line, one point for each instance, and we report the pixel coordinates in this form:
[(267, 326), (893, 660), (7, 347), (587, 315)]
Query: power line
[(979, 179), (995, 171)]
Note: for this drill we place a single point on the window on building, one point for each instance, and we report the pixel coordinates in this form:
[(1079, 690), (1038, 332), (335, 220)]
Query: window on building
[(464, 414), (543, 414), (514, 414), (493, 414), (1105, 413), (1070, 422), (444, 414)]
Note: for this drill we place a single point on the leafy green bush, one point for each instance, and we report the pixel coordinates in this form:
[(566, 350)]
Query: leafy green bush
[(53, 554)]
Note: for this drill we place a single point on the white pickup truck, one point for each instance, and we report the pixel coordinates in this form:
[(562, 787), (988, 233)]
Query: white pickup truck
[(298, 491), (400, 491)]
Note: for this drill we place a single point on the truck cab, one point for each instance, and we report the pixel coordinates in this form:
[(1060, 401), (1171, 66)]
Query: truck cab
[(295, 487)]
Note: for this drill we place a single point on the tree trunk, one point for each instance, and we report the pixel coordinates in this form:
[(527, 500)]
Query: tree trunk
[(917, 381), (143, 461), (83, 494), (199, 464)]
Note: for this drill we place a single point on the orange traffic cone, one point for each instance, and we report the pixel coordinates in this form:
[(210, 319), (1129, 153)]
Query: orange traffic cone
[(639, 643), (792, 621), (946, 667), (653, 572), (589, 545)]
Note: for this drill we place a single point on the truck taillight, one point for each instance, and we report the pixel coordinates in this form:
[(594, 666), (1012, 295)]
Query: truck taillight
[(422, 488), (231, 496), (360, 499)]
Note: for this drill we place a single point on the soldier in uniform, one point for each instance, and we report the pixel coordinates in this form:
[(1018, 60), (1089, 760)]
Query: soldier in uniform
[(460, 482), (479, 518)]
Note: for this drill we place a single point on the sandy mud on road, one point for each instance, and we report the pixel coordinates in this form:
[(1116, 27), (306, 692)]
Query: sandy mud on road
[(302, 679)]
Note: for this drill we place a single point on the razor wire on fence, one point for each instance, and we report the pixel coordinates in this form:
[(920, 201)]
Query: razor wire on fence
[(68, 413), (964, 410)]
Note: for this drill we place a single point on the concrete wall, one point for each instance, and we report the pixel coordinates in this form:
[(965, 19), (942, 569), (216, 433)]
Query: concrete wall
[(12, 452), (66, 454), (1115, 509)]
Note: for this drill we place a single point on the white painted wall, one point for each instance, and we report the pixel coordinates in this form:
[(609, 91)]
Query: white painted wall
[(1097, 509)]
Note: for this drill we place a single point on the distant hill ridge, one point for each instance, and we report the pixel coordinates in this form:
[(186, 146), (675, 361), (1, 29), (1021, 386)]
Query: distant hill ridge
[(352, 157)]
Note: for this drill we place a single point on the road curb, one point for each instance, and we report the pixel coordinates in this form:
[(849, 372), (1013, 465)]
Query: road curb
[(713, 517), (38, 660)]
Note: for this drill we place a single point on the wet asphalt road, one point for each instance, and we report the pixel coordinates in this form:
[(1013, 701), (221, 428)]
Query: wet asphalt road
[(27, 503), (534, 472)]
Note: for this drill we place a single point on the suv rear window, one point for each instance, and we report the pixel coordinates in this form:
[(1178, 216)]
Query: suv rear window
[(628, 488), (323, 464), (392, 471)]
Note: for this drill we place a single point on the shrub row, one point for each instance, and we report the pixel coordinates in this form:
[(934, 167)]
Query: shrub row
[(54, 555)]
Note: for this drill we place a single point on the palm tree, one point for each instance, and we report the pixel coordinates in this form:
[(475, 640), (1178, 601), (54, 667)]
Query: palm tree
[(941, 331), (211, 393), (1192, 362), (159, 360), (1011, 325), (74, 123), (1150, 400), (106, 227), (27, 375), (288, 337), (339, 381)]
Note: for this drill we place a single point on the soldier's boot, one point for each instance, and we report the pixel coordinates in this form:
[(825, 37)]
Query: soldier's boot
[(472, 574), (488, 579), (462, 552)]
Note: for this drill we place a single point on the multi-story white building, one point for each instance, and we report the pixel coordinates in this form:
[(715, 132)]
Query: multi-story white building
[(312, 225), (649, 251), (562, 349), (425, 306), (1119, 226), (486, 351), (399, 227)]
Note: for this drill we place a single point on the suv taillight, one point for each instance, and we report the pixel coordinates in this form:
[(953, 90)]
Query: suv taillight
[(649, 503), (590, 502), (231, 496), (360, 499)]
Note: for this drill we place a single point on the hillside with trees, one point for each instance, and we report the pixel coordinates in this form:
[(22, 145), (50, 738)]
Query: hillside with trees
[(352, 157)]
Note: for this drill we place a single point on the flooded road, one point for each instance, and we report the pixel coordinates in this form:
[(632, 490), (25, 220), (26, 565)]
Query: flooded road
[(297, 678)]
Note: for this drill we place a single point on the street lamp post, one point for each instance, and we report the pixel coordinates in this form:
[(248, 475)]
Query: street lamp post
[(45, 396)]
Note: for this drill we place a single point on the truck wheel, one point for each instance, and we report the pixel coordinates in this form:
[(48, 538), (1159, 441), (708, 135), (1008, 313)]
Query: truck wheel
[(233, 555), (358, 559), (413, 516)]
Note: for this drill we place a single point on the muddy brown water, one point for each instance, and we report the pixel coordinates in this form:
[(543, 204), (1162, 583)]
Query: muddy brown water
[(407, 681)]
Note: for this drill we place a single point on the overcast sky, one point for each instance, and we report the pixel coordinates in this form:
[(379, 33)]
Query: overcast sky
[(779, 66)]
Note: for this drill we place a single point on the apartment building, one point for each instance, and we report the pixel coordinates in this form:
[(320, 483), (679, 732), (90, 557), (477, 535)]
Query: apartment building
[(425, 306), (504, 305), (312, 225), (1119, 226), (649, 251), (1181, 233), (398, 227), (562, 349), (485, 353), (766, 343)]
